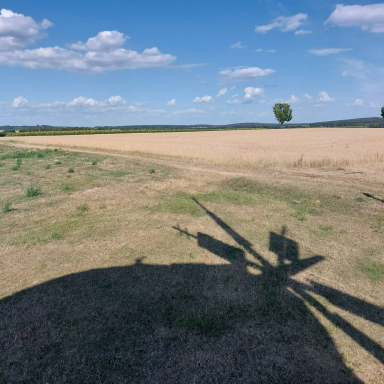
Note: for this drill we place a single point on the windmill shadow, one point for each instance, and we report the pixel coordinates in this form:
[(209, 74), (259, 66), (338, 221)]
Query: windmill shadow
[(242, 322), (373, 197)]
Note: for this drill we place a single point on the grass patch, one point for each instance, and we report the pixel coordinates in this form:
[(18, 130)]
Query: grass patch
[(71, 170), (66, 187), (94, 162), (82, 208), (7, 207), (57, 162), (27, 154), (374, 271), (325, 228), (56, 235), (33, 191), (359, 200), (48, 166), (152, 171)]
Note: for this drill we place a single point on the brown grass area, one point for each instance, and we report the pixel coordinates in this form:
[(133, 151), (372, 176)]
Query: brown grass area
[(175, 275), (315, 148)]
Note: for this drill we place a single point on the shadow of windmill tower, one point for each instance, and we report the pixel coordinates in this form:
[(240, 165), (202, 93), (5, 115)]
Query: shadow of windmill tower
[(183, 323)]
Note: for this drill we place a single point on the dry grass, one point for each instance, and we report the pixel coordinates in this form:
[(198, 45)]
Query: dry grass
[(274, 277), (313, 148)]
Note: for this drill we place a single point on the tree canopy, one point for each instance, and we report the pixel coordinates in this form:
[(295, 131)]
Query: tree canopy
[(283, 113)]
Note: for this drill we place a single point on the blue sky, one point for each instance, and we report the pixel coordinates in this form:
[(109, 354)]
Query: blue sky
[(188, 62)]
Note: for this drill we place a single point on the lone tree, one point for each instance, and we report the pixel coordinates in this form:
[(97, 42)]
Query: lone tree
[(283, 113), (382, 112)]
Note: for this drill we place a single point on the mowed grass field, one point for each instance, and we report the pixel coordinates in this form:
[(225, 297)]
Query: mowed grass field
[(115, 269), (315, 147)]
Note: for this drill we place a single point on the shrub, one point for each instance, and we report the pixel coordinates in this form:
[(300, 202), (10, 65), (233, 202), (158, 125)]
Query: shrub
[(66, 187), (7, 207), (48, 167), (57, 162), (151, 171), (71, 170), (94, 162), (33, 191), (56, 235)]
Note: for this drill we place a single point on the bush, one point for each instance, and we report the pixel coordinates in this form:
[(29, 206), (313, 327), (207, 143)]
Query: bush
[(33, 191), (94, 162), (71, 170), (57, 162), (2, 134)]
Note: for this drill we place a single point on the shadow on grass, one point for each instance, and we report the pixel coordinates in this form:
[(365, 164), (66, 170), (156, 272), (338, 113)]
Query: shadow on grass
[(373, 197), (183, 323)]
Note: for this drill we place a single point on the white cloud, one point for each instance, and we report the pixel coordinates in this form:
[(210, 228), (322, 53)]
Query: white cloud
[(116, 100), (204, 99), (171, 103), (243, 74), (237, 45), (251, 93), (105, 41), (328, 51), (285, 24), (304, 32), (19, 102), (190, 110), (265, 50), (233, 87), (367, 17), (358, 102), (309, 97), (236, 101), (222, 92), (17, 30), (294, 100), (324, 97), (374, 105), (91, 61), (236, 95)]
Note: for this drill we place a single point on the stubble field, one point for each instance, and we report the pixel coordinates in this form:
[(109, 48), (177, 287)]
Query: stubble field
[(169, 261)]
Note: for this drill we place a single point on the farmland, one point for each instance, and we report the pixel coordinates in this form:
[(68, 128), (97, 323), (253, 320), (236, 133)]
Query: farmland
[(316, 147), (193, 257)]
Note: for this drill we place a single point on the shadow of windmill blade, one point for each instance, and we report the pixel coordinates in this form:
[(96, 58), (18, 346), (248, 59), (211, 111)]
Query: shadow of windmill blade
[(350, 303)]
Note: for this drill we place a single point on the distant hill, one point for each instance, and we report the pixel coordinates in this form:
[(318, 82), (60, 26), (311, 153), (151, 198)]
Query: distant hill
[(374, 122)]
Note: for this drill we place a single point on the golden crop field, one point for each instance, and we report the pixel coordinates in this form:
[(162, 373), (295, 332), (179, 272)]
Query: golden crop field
[(316, 147)]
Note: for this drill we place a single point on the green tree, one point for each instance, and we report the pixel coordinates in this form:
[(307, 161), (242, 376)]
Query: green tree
[(382, 112), (283, 113)]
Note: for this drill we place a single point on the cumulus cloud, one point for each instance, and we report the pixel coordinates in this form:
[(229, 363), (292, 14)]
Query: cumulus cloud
[(251, 93), (105, 41), (325, 98), (91, 61), (98, 54), (294, 100), (222, 92), (309, 97), (204, 99), (242, 74), (328, 51), (367, 17), (237, 45), (190, 110), (358, 102), (19, 102), (304, 32), (18, 31), (285, 24), (171, 103)]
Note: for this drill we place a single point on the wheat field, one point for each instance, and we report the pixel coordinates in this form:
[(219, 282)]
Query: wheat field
[(316, 148)]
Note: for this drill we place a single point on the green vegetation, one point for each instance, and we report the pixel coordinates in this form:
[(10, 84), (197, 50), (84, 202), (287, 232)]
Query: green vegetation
[(382, 112), (7, 207), (374, 271), (33, 191), (283, 113), (71, 170), (82, 208)]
